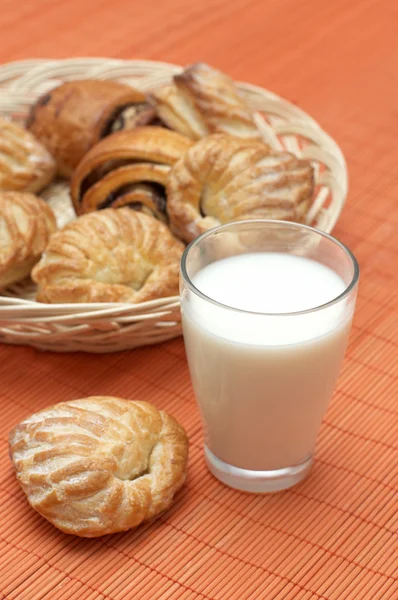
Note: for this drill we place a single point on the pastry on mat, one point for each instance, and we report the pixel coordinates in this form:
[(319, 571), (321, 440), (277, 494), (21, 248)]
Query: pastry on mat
[(109, 256), (99, 465), (26, 224), (74, 116), (25, 164), (200, 101), (128, 168), (222, 179)]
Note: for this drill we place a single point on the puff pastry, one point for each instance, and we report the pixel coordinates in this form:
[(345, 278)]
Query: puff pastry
[(128, 168), (74, 116), (201, 101), (26, 224), (109, 256), (99, 465), (25, 164), (222, 179)]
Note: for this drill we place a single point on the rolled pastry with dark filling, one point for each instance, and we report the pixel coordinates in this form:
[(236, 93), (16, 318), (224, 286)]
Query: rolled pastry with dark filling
[(73, 117), (128, 168)]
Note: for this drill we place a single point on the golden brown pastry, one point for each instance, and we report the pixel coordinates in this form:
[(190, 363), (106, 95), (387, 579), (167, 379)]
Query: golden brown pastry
[(222, 179), (99, 465), (128, 168), (201, 101), (74, 116), (25, 164), (109, 256), (26, 224)]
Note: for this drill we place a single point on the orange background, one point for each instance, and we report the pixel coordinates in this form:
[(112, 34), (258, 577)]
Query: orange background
[(334, 536)]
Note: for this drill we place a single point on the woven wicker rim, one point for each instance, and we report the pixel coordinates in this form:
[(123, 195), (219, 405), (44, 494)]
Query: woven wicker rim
[(106, 327)]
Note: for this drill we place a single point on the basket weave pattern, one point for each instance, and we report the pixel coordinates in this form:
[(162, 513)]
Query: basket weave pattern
[(110, 327)]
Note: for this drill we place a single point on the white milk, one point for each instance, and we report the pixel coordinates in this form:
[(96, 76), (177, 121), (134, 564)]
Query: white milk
[(263, 382)]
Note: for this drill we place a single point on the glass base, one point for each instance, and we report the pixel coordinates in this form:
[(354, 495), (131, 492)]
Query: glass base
[(256, 482)]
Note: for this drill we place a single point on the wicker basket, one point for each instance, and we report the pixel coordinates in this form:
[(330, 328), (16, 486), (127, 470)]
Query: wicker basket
[(112, 327)]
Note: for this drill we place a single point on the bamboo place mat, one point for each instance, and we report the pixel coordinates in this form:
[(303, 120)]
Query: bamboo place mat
[(334, 537)]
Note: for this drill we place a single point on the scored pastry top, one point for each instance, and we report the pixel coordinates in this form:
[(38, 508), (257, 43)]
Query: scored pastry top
[(202, 100), (99, 465), (25, 164), (113, 255), (222, 179)]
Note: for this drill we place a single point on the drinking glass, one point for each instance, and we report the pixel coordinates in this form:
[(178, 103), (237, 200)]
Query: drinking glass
[(263, 380)]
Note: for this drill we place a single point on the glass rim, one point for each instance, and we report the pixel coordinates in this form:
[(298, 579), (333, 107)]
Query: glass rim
[(290, 224)]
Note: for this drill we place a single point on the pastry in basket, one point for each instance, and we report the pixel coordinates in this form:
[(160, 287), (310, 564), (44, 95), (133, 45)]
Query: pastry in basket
[(25, 164), (223, 178), (26, 224), (74, 116), (99, 465), (202, 100), (109, 256), (128, 168)]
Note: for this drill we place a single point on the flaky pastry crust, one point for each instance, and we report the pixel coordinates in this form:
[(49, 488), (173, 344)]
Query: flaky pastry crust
[(202, 100), (25, 164), (114, 255), (222, 179), (99, 465), (26, 224)]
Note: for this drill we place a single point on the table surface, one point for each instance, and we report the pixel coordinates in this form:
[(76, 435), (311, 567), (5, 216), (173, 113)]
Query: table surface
[(334, 536)]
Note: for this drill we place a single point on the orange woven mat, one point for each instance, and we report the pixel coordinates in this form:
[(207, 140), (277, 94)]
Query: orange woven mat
[(334, 537)]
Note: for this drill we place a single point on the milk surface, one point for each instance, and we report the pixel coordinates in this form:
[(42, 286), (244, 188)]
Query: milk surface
[(263, 381)]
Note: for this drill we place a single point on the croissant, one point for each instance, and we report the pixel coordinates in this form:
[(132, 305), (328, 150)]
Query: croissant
[(109, 256), (99, 465), (222, 179), (26, 224), (128, 168), (74, 116), (25, 164), (202, 100)]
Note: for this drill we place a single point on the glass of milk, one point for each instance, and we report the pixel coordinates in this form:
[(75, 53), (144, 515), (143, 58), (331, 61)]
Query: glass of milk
[(267, 309)]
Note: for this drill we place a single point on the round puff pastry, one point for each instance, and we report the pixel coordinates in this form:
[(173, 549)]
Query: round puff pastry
[(201, 101), (26, 224), (99, 465), (222, 179), (128, 168), (25, 164), (74, 116), (109, 256)]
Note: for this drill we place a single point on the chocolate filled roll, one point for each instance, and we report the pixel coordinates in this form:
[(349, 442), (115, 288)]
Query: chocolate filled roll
[(128, 168), (73, 117)]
